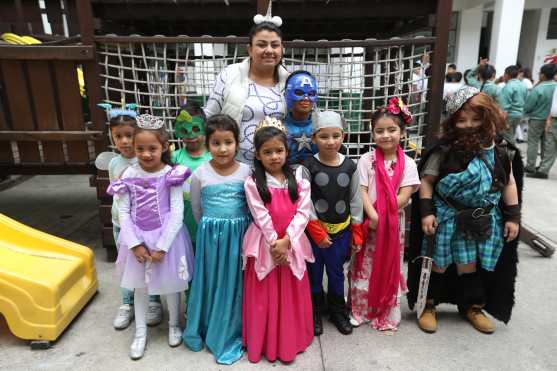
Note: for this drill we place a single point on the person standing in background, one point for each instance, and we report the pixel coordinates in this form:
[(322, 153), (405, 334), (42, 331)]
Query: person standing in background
[(512, 100), (538, 107)]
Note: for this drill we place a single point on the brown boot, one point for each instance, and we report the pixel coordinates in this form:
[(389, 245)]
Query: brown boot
[(428, 320), (479, 320)]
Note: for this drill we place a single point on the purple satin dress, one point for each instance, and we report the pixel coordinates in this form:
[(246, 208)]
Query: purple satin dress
[(150, 211)]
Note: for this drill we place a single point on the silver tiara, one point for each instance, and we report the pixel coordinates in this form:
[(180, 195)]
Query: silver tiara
[(277, 21), (150, 122)]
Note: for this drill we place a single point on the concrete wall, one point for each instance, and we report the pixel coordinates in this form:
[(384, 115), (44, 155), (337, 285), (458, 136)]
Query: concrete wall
[(528, 37), (468, 38), (543, 45)]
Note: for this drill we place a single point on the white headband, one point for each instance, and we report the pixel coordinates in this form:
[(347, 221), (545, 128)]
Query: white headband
[(277, 21)]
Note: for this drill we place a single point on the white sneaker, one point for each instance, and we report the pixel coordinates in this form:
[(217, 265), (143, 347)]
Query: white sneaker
[(174, 336), (124, 317), (138, 346), (154, 313)]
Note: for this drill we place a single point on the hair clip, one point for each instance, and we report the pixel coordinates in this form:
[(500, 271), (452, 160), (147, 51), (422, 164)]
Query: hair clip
[(397, 107), (126, 110), (276, 20), (149, 122)]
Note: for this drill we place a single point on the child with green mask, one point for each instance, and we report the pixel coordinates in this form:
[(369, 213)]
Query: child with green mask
[(189, 126)]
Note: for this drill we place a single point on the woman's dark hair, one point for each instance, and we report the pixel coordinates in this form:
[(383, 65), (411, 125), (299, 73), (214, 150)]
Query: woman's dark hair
[(259, 176), (162, 137), (527, 73), (465, 76), (256, 28), (224, 123), (486, 72), (121, 120), (548, 70), (512, 71), (453, 77)]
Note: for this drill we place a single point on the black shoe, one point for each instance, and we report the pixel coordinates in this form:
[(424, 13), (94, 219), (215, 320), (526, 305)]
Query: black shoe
[(337, 313), (341, 322), (537, 174), (528, 170), (317, 323), (317, 302)]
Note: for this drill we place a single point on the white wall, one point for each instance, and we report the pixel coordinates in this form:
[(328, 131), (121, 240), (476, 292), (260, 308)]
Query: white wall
[(505, 33), (468, 38)]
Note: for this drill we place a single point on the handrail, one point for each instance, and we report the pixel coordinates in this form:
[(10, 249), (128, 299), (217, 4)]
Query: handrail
[(42, 52), (137, 39)]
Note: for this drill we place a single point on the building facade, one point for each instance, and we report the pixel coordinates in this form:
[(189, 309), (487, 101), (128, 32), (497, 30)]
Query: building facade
[(504, 31)]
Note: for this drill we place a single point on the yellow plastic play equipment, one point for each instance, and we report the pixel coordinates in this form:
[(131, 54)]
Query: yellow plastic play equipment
[(44, 281)]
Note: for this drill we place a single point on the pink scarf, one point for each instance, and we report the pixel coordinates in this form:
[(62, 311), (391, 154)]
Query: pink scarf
[(385, 275)]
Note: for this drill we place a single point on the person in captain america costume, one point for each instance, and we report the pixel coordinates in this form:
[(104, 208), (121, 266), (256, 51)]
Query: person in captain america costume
[(301, 100)]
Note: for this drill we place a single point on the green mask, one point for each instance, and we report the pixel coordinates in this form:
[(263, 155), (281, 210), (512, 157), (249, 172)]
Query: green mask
[(188, 127)]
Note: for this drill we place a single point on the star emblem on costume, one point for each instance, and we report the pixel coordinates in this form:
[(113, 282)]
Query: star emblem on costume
[(303, 142)]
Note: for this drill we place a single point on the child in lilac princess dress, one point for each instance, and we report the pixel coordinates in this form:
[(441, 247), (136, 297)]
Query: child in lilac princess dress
[(155, 254)]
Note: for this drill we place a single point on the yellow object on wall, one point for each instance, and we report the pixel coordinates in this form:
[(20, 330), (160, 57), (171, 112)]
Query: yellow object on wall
[(45, 281)]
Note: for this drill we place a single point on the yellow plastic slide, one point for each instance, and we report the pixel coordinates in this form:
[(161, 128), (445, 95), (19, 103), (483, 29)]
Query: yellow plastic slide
[(44, 280)]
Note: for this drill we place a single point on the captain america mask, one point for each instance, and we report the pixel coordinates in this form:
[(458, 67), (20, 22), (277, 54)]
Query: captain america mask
[(300, 86), (188, 127)]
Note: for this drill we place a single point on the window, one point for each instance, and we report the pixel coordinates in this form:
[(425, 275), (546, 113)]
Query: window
[(552, 27)]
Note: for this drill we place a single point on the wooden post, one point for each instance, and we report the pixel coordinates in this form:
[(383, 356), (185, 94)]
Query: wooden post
[(435, 95), (93, 87), (262, 6), (20, 27), (91, 70)]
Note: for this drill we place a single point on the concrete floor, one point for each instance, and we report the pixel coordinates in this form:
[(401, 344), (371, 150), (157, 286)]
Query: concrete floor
[(66, 206)]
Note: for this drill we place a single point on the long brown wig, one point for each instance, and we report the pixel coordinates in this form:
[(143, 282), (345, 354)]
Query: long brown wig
[(473, 140)]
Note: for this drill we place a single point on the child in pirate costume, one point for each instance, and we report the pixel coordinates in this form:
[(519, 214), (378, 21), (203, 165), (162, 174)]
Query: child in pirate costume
[(470, 211), (301, 98), (336, 218)]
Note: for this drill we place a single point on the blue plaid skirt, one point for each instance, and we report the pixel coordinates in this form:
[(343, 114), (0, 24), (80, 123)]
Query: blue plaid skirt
[(471, 187)]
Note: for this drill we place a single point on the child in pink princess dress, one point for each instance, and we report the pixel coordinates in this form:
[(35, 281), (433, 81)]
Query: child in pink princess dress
[(155, 254), (388, 178), (277, 312)]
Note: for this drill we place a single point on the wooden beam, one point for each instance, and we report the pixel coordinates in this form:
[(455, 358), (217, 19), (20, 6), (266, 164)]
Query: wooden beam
[(51, 168), (91, 71), (435, 95), (244, 40), (20, 25), (40, 52), (286, 10), (262, 6), (67, 136)]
